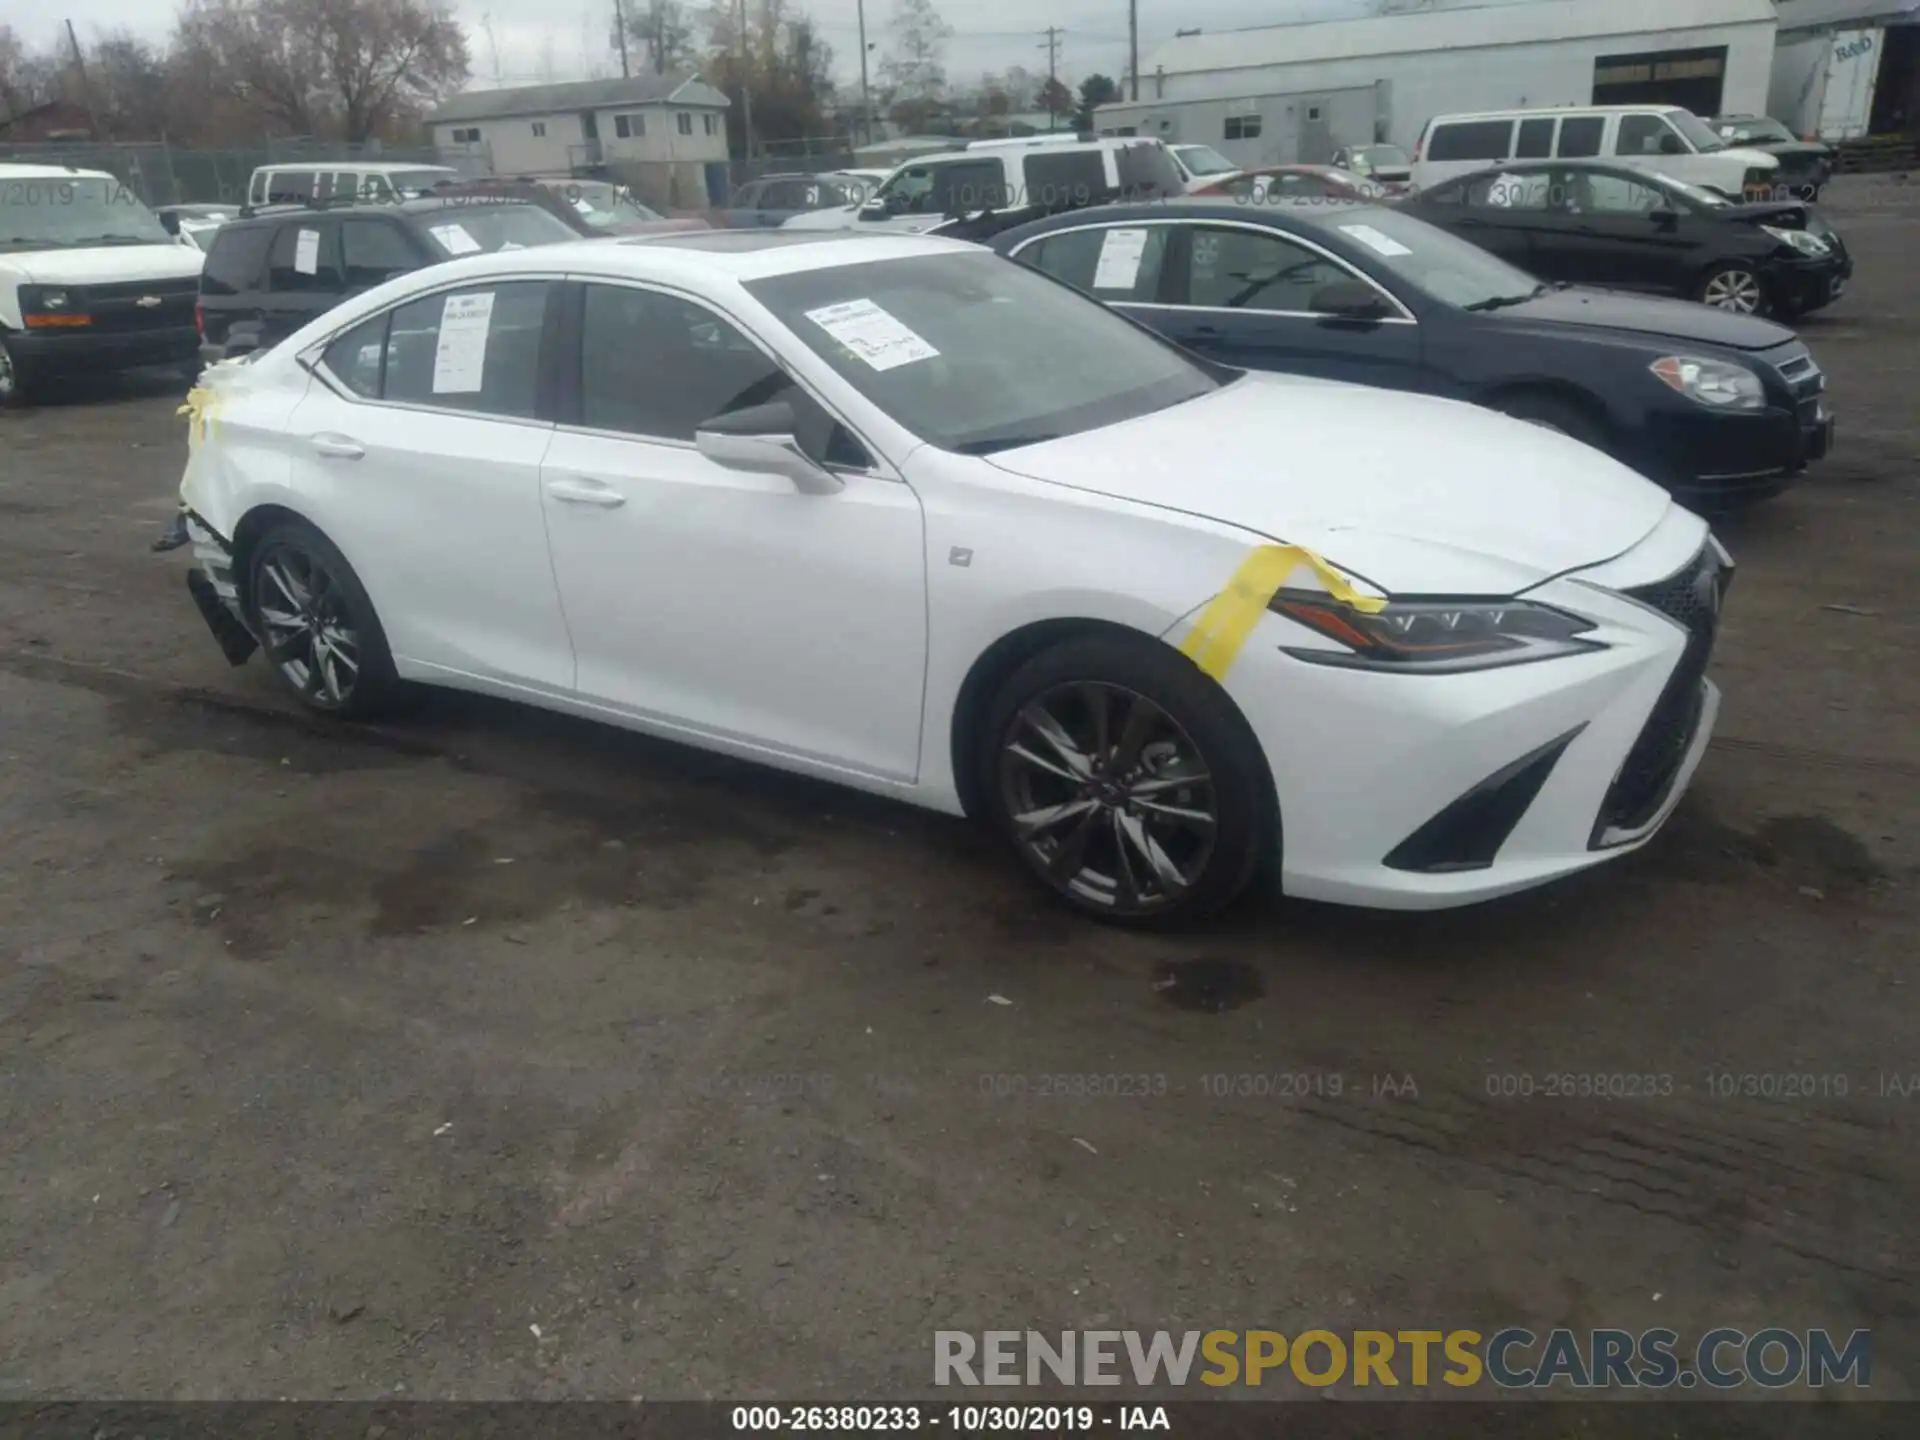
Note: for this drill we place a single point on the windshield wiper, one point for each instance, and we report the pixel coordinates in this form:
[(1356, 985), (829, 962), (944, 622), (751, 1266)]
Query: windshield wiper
[(1000, 442), (1501, 302)]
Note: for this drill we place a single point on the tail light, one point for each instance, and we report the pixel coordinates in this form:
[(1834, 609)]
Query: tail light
[(200, 320)]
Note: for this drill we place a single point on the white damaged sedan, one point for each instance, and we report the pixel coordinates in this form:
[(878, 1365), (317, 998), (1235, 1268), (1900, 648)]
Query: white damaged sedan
[(895, 513)]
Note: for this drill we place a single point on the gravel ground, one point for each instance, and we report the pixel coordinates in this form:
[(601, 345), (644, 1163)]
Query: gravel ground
[(336, 1062)]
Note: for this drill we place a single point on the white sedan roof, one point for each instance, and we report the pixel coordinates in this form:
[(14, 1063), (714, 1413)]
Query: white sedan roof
[(737, 255)]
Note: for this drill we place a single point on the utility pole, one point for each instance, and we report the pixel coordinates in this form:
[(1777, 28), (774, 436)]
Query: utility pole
[(866, 97), (86, 85), (1133, 49), (746, 90), (620, 30), (1052, 46)]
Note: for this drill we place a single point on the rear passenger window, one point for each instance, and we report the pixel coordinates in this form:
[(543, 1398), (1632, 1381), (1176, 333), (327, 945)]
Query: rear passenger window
[(356, 357), (375, 251), (1472, 140), (1580, 137), (237, 261), (1510, 192), (305, 258), (1116, 264), (1535, 141), (475, 349), (289, 187), (1073, 178)]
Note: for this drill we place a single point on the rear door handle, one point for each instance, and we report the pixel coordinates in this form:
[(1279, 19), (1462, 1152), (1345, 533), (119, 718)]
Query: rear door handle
[(571, 491), (337, 447)]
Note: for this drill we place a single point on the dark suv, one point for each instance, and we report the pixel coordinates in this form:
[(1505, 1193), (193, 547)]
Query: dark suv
[(272, 270)]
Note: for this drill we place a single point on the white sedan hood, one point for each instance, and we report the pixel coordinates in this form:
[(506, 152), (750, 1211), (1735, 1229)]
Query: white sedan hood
[(1411, 493)]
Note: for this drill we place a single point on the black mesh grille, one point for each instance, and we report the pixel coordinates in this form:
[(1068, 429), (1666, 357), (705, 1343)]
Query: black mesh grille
[(117, 307), (1691, 599)]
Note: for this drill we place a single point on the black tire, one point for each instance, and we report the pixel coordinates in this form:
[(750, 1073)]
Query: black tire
[(1204, 736), (1733, 275), (1552, 412), (294, 563), (17, 381)]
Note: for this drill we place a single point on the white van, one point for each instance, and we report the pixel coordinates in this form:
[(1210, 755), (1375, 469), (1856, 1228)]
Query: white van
[(90, 280), (315, 182), (1666, 138)]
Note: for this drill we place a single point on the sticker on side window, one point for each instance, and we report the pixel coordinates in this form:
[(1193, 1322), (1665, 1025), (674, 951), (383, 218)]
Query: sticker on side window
[(306, 252), (872, 334), (455, 238), (460, 358), (1374, 240), (1120, 254)]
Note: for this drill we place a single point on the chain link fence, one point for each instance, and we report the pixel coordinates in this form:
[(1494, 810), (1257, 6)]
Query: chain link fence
[(162, 174)]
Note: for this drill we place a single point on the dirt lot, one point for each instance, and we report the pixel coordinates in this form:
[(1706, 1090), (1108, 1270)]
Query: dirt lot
[(335, 1062)]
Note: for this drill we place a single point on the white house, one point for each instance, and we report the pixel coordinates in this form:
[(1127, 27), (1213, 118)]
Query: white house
[(655, 132), (1295, 93), (1847, 68)]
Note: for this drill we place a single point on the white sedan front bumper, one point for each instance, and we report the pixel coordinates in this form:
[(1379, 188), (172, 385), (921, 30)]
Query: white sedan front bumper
[(1414, 792)]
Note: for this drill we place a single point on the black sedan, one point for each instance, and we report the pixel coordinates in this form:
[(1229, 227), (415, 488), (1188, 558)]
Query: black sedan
[(1596, 224), (1718, 408)]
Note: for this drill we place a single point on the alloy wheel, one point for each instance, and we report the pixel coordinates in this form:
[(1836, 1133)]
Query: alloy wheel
[(9, 378), (1735, 290), (1109, 798), (306, 628)]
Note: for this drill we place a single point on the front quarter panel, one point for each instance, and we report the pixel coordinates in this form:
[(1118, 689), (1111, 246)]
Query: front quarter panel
[(239, 459)]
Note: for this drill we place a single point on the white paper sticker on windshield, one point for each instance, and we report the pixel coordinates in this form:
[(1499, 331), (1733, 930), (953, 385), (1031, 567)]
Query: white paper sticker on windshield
[(1374, 240), (1120, 255), (460, 359), (872, 334), (583, 207), (306, 252), (456, 239)]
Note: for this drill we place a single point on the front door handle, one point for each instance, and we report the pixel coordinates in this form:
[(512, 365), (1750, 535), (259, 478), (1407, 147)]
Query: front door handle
[(337, 447), (585, 492)]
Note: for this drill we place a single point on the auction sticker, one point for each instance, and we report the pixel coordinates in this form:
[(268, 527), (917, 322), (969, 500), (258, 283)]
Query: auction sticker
[(455, 238), (460, 359), (872, 334), (1374, 240), (1120, 255)]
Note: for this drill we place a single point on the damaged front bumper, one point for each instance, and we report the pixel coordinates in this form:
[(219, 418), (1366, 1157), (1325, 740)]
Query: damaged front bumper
[(211, 583)]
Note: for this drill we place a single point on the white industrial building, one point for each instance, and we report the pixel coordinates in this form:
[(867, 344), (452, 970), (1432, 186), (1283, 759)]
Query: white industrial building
[(1295, 93), (1847, 68)]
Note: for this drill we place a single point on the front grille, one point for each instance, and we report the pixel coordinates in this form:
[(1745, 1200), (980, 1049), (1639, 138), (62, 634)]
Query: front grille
[(117, 308), (1691, 599), (1806, 382)]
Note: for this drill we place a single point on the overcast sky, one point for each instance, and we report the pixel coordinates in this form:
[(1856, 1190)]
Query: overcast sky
[(537, 40)]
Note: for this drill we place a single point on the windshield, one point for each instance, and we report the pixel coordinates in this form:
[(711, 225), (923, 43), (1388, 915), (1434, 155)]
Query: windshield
[(1204, 160), (1699, 134), (62, 212), (1390, 157), (603, 206), (1429, 258), (1743, 132), (974, 354), (419, 182), (471, 229)]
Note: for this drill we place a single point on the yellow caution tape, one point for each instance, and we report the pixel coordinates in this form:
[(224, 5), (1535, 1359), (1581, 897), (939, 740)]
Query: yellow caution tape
[(202, 404), (1223, 627)]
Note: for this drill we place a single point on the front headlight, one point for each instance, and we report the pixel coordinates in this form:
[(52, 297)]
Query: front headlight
[(1799, 240), (1716, 384), (1428, 637), (44, 299)]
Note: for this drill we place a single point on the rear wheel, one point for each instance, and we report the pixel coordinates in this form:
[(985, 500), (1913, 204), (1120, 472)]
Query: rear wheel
[(316, 624), (1736, 288), (1126, 781)]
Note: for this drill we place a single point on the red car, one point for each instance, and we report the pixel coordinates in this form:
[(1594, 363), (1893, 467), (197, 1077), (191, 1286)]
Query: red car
[(1301, 182)]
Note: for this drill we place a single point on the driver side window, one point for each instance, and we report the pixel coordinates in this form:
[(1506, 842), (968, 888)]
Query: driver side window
[(657, 366), (1645, 135), (1231, 269)]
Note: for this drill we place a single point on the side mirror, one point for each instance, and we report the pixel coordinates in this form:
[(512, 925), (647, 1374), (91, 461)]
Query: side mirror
[(1349, 300), (1664, 218), (170, 222), (760, 440)]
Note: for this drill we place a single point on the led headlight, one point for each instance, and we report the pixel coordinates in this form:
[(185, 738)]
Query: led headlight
[(1717, 384), (1799, 240), (1428, 637)]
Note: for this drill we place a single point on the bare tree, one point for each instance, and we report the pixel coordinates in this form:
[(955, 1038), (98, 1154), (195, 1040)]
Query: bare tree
[(138, 90), (661, 34), (28, 77), (781, 63), (914, 68), (355, 68)]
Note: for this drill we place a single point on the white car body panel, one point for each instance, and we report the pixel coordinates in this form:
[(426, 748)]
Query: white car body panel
[(130, 264), (833, 634)]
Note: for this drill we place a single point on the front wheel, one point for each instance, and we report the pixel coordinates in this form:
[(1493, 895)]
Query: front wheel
[(316, 625), (1734, 288), (15, 380), (1126, 781)]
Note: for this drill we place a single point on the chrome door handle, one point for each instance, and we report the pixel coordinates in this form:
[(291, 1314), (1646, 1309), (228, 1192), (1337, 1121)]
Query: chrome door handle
[(337, 447), (585, 492)]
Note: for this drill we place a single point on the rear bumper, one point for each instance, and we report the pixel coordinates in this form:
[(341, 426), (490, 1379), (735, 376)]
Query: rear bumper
[(48, 353)]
